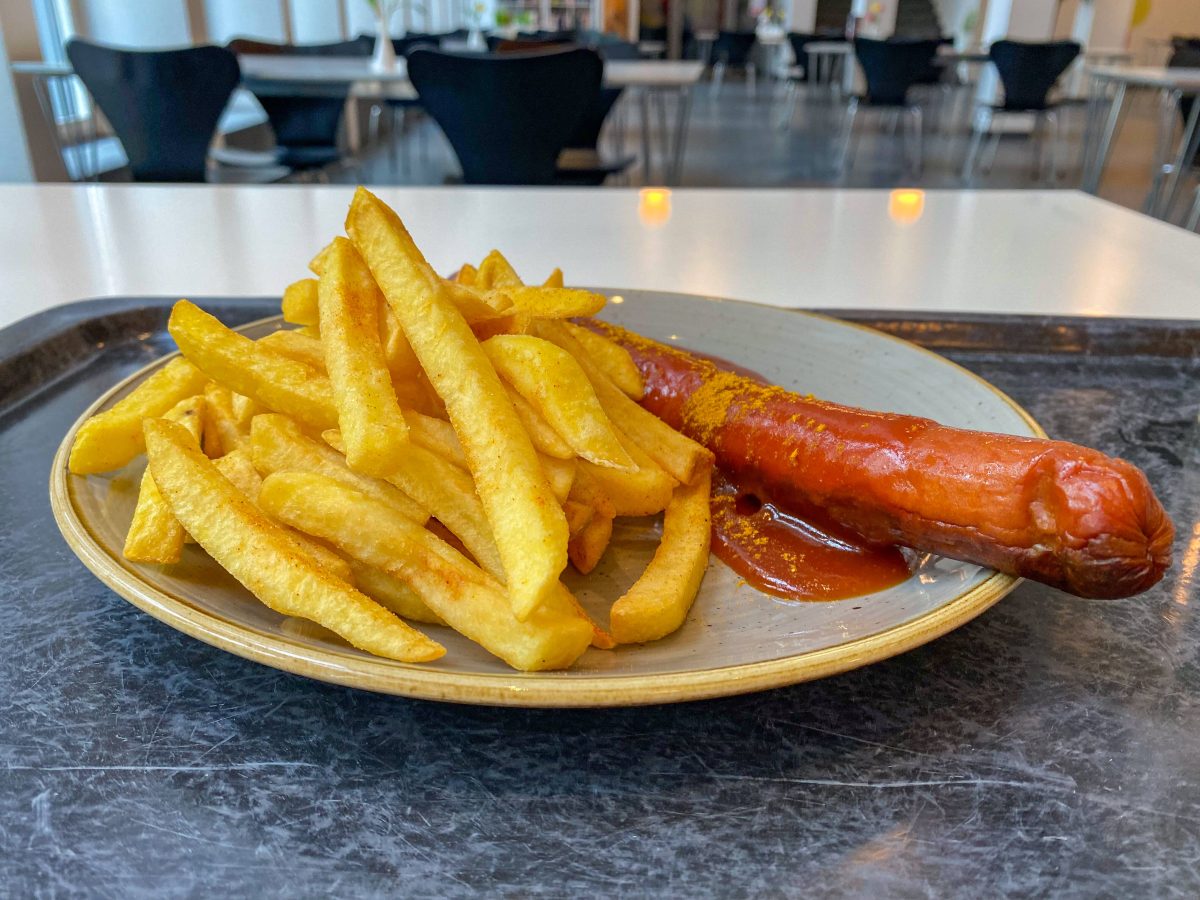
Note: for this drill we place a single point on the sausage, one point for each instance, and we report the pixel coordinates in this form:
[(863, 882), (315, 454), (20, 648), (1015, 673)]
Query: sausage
[(1052, 511)]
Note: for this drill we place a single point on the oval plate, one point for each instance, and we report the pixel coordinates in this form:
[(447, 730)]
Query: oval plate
[(735, 640)]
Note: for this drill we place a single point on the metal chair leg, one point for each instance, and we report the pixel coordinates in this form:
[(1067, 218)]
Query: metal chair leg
[(718, 77), (1055, 123), (752, 79), (1192, 223), (916, 119), (978, 133), (989, 156), (845, 156)]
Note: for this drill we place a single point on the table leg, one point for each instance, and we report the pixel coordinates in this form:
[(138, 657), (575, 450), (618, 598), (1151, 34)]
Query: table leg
[(1189, 143), (647, 163), (1168, 104), (1091, 182), (683, 114)]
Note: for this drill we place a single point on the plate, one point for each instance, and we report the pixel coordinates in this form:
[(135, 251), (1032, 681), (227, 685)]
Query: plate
[(735, 640)]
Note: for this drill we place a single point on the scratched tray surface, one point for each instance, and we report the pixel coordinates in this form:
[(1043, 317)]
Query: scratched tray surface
[(1049, 746)]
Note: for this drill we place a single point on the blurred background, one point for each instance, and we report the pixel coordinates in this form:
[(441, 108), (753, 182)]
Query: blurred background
[(1092, 94)]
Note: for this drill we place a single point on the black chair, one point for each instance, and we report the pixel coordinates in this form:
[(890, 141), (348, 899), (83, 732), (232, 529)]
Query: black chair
[(734, 50), (581, 162), (1028, 72), (1186, 56), (164, 106), (507, 116), (891, 69), (306, 127)]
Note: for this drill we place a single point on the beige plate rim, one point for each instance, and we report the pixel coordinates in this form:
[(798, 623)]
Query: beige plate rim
[(544, 689)]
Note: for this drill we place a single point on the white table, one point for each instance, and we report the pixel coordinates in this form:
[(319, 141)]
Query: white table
[(651, 78), (1051, 252), (1175, 82)]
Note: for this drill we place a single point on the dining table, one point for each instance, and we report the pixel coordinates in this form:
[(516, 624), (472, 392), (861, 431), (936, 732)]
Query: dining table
[(1048, 747)]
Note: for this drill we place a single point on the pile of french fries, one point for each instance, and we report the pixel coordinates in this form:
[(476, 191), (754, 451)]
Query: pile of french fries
[(419, 450)]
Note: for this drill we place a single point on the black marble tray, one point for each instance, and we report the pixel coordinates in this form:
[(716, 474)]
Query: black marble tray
[(1051, 746)]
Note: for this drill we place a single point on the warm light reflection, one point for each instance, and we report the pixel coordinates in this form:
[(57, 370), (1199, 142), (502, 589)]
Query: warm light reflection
[(654, 206), (1187, 567), (616, 298), (905, 205)]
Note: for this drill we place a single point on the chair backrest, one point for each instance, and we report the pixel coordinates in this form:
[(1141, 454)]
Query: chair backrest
[(507, 116), (733, 47), (303, 121), (892, 67), (1029, 70), (163, 105)]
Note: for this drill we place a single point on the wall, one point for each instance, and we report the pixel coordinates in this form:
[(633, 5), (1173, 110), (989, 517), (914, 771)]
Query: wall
[(143, 24), (15, 164), (1163, 18)]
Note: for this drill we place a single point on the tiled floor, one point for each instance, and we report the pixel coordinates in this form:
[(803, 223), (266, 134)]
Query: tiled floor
[(736, 140)]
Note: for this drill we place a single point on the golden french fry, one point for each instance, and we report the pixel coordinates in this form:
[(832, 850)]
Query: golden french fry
[(642, 492), (109, 440), (560, 475), (294, 345), (311, 331), (155, 535), (496, 272), (578, 515), (436, 435), (587, 547), (240, 472), (260, 555), (316, 265), (235, 361), (371, 425), (465, 274), (610, 358), (300, 302), (554, 303), (278, 445), (557, 388), (244, 409), (471, 601), (447, 493), (659, 600), (393, 593), (527, 523), (397, 351), (545, 439), (554, 279), (682, 457), (221, 432)]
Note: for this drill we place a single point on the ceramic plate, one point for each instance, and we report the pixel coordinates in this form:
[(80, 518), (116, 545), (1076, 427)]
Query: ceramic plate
[(735, 639)]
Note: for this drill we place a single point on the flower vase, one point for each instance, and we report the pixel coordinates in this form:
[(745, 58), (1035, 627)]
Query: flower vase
[(384, 59)]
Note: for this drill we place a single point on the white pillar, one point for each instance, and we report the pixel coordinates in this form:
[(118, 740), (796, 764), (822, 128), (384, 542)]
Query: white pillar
[(1103, 25), (15, 164), (803, 16)]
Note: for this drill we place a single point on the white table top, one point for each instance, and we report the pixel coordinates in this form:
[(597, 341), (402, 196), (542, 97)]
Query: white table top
[(343, 69), (831, 48), (1053, 252), (1150, 76)]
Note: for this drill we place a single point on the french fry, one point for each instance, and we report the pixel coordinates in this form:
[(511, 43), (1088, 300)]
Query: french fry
[(528, 524), (221, 432), (233, 360), (554, 279), (240, 472), (260, 555), (397, 351), (659, 600), (471, 601), (300, 302), (560, 475), (447, 493), (554, 303), (244, 409), (587, 545), (557, 388), (682, 457), (111, 439), (465, 274), (545, 439), (372, 428), (393, 593), (436, 435), (316, 265), (155, 535), (277, 444), (497, 272), (294, 345), (642, 492), (578, 515), (610, 358)]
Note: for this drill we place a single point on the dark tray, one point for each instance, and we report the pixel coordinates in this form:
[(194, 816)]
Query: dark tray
[(1051, 746)]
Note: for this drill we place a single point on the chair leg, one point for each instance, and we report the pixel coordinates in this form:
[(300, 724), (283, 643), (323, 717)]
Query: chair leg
[(845, 156), (979, 130), (916, 121), (1192, 223), (789, 106), (752, 79), (395, 136), (1037, 143), (989, 157), (718, 78), (1055, 123)]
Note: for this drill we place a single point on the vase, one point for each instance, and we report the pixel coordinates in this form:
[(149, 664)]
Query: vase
[(384, 59)]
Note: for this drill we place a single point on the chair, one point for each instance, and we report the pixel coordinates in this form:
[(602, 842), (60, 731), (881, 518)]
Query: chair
[(306, 128), (1186, 55), (733, 49), (801, 72), (507, 116), (164, 106), (891, 69), (1028, 72), (1192, 222)]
